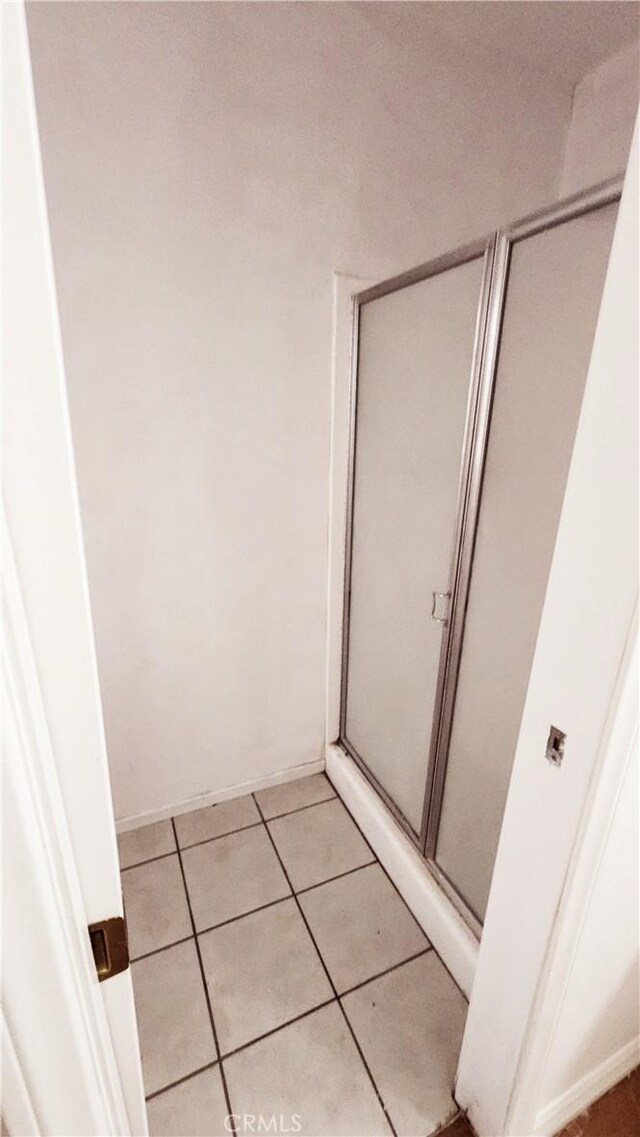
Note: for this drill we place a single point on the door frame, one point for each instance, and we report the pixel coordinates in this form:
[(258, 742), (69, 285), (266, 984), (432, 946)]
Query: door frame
[(49, 921), (74, 1039), (491, 304)]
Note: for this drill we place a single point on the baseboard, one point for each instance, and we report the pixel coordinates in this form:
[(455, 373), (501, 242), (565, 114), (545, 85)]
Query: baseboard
[(587, 1090), (439, 920), (214, 796)]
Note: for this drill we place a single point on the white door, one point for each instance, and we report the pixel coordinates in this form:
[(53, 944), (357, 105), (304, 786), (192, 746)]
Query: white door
[(72, 1062)]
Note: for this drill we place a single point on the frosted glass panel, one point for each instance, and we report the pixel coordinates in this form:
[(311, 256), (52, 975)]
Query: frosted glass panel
[(553, 296), (415, 356)]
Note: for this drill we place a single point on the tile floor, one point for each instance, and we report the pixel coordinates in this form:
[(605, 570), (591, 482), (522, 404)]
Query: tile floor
[(279, 976)]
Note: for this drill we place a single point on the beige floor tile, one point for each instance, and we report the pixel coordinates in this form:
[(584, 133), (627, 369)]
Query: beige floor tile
[(308, 1074), (155, 905), (294, 795), (216, 820), (361, 926), (142, 844), (173, 1018), (196, 1107), (409, 1024), (319, 843), (262, 971), (232, 875)]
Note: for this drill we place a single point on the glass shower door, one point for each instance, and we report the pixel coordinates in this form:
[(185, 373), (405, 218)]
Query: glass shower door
[(553, 292), (417, 355), (466, 392)]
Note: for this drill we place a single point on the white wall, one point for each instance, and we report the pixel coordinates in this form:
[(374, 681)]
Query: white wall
[(580, 653), (602, 117), (208, 166)]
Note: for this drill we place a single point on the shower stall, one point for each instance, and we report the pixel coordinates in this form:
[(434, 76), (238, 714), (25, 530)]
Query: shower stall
[(466, 381)]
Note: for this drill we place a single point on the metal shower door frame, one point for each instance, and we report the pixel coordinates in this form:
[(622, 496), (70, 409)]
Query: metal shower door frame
[(567, 210), (484, 249), (496, 252)]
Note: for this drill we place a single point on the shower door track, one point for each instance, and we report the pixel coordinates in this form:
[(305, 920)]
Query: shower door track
[(496, 252)]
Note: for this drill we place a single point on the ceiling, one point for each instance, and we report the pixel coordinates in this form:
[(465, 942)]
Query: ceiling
[(564, 38)]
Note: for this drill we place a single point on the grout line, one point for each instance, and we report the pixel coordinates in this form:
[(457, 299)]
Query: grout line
[(332, 984), (338, 876), (310, 1010), (251, 911), (301, 808), (214, 927), (390, 879), (193, 845), (179, 1081), (204, 983), (336, 997), (387, 971), (148, 861), (276, 1029), (325, 1002), (241, 916), (218, 836), (157, 950)]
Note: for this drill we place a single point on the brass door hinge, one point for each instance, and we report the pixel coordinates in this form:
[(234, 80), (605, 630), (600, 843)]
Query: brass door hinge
[(110, 946)]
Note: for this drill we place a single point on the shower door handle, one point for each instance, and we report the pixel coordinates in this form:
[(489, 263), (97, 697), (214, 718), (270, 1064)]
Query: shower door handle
[(440, 607)]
